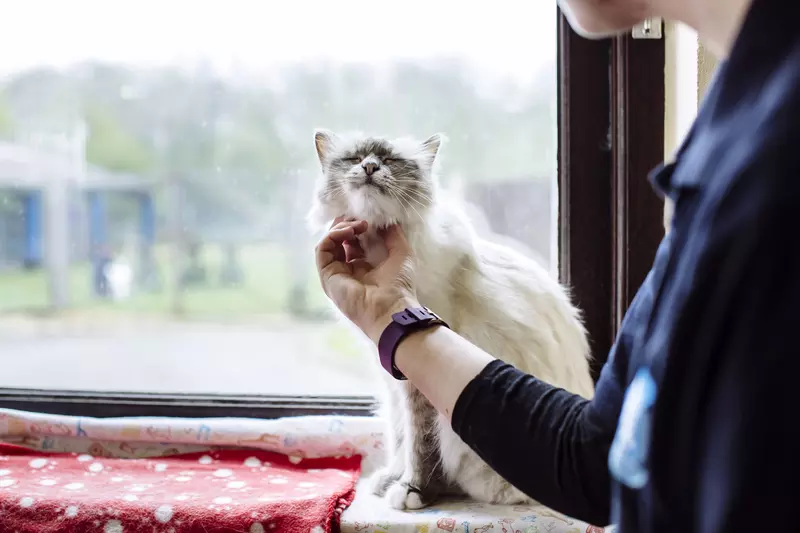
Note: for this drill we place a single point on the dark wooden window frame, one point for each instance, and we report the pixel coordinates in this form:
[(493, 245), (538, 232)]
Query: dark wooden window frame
[(611, 135), (611, 124)]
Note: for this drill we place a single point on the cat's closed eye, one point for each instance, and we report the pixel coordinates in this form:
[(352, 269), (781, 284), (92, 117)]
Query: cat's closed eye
[(352, 160), (388, 160)]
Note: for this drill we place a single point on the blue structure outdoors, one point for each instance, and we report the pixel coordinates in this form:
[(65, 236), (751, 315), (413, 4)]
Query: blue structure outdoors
[(99, 246), (26, 173), (33, 251)]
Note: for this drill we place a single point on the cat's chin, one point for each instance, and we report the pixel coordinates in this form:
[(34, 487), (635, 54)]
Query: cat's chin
[(375, 221), (321, 217)]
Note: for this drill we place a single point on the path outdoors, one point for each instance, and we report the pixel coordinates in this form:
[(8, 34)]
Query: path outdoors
[(272, 357)]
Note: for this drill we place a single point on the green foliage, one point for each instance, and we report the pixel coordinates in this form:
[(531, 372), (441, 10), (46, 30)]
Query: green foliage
[(110, 143), (6, 120), (245, 148)]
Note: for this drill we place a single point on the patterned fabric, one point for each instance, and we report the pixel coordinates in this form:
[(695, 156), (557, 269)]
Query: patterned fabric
[(303, 436), (369, 514), (297, 437), (241, 490)]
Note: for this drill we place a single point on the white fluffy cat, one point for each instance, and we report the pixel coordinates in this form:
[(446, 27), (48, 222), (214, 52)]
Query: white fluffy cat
[(500, 300)]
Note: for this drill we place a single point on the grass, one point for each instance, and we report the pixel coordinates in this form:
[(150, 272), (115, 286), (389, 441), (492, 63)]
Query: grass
[(265, 289), (262, 298)]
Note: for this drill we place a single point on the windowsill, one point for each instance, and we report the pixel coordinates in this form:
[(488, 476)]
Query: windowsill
[(369, 513), (310, 436)]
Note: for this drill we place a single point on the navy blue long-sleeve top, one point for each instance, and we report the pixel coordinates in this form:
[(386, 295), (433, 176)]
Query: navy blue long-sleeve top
[(716, 325)]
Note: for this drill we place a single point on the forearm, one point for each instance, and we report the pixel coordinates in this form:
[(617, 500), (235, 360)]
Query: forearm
[(440, 364)]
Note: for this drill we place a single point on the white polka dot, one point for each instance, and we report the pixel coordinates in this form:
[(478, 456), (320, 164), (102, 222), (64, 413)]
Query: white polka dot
[(130, 497), (160, 467), (85, 458), (27, 501), (252, 462), (164, 513), (257, 528), (95, 467), (113, 526), (317, 529), (7, 482), (183, 479), (223, 472), (37, 463), (72, 511), (279, 481), (222, 500), (236, 484), (117, 479), (4, 472), (306, 484), (205, 460), (48, 482), (139, 488), (295, 459), (181, 497), (73, 486)]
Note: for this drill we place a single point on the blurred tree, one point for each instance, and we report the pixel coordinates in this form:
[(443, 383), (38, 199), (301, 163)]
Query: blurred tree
[(6, 119), (111, 145)]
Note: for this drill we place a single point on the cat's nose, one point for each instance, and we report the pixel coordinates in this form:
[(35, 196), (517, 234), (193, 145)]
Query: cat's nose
[(370, 167)]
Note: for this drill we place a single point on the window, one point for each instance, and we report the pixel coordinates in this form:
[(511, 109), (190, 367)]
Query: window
[(156, 165)]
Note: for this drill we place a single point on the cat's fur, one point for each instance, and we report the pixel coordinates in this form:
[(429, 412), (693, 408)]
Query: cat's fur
[(493, 296)]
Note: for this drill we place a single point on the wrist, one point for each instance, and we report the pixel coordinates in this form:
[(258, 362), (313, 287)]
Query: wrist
[(375, 328)]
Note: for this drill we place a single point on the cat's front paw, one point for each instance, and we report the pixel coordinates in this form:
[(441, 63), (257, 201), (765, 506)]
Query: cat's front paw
[(405, 496), (381, 480)]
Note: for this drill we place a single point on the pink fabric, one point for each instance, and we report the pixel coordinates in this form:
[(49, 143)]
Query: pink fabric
[(224, 490)]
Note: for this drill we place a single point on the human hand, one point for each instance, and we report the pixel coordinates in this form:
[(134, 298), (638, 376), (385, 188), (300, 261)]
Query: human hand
[(366, 295)]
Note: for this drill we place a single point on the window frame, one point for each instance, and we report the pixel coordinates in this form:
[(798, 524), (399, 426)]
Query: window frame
[(611, 133), (610, 138)]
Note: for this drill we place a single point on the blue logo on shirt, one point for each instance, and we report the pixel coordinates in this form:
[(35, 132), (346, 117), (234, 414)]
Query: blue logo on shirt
[(627, 458)]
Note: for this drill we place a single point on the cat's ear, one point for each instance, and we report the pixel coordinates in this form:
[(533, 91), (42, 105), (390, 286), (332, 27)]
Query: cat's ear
[(323, 140), (430, 146)]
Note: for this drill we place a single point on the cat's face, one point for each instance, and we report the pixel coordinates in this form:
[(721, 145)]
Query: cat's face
[(381, 181)]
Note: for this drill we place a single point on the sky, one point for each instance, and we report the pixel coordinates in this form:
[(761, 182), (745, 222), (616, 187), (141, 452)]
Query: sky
[(506, 37)]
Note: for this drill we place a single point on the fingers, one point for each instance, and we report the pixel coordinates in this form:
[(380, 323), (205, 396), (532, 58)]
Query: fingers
[(353, 250), (331, 249)]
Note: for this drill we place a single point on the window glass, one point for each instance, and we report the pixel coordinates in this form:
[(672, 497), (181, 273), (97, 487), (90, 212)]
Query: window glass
[(157, 162)]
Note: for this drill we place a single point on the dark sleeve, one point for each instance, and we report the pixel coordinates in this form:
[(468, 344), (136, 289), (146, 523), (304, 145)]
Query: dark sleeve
[(549, 443)]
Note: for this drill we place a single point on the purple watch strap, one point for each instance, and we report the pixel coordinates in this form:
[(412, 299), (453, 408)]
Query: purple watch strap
[(402, 324)]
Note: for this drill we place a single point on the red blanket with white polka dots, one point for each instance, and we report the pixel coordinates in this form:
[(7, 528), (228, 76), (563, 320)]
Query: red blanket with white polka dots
[(233, 490)]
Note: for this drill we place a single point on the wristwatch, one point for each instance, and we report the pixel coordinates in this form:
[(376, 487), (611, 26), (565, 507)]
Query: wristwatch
[(403, 324)]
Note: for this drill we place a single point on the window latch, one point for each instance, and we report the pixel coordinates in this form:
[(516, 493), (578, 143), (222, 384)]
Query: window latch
[(649, 28)]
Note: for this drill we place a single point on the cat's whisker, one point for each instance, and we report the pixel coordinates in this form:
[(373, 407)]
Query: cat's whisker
[(404, 195)]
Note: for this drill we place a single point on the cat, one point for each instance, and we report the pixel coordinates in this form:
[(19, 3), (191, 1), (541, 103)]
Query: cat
[(497, 298)]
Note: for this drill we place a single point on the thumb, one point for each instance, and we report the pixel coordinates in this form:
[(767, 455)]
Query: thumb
[(398, 264), (394, 238)]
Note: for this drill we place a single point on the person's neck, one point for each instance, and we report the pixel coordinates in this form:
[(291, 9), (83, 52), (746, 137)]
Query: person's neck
[(717, 22)]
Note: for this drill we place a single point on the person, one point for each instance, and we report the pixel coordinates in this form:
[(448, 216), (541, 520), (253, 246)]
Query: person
[(692, 425)]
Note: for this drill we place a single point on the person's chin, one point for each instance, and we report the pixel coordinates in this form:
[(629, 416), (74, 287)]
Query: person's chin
[(594, 25)]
